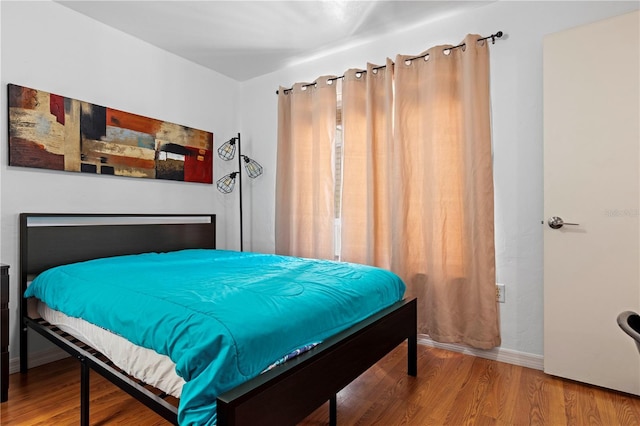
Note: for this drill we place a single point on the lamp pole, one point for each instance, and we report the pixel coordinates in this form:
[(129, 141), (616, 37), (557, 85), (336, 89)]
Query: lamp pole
[(240, 185)]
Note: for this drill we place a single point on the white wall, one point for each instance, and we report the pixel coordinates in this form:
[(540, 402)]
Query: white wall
[(47, 46), (516, 88)]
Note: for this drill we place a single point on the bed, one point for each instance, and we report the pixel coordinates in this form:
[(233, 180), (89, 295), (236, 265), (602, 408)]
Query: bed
[(282, 395)]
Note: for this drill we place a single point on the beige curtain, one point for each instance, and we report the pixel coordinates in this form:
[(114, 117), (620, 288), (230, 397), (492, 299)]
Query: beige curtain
[(445, 192), (418, 186), (304, 176), (367, 105)]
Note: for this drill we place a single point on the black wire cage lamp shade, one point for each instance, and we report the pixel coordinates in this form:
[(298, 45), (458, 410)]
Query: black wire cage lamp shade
[(252, 167), (226, 184), (227, 150)]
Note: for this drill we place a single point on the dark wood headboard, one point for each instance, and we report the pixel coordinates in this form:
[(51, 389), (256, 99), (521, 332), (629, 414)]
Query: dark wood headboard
[(48, 240)]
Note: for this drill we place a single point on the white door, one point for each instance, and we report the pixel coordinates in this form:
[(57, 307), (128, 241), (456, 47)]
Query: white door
[(591, 162)]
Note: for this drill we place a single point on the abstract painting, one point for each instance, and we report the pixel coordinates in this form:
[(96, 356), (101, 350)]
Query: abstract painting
[(54, 132)]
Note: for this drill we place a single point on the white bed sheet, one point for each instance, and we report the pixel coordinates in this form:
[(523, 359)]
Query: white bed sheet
[(145, 364)]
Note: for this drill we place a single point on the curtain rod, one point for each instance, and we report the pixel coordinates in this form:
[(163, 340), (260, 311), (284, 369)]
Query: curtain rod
[(493, 38)]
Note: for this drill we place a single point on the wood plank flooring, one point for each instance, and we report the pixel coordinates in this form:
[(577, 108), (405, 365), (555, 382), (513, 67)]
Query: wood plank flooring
[(451, 389)]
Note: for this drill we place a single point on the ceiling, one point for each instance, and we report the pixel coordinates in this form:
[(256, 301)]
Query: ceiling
[(245, 39)]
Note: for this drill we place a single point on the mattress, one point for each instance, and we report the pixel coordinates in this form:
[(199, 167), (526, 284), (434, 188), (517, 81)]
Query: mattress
[(145, 364)]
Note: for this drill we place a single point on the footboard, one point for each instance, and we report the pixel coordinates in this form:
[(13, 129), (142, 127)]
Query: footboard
[(289, 393)]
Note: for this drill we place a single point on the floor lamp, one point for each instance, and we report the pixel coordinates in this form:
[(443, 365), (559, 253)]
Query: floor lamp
[(226, 183)]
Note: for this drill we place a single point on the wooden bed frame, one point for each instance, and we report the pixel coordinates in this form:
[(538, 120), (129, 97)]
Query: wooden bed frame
[(284, 395)]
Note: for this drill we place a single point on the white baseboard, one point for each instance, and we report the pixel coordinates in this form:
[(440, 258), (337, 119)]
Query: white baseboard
[(509, 356), (38, 358)]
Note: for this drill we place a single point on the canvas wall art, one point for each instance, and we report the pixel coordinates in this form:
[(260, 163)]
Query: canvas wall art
[(54, 132)]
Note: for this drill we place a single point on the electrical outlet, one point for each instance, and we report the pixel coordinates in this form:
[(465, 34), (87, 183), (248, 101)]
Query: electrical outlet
[(500, 293)]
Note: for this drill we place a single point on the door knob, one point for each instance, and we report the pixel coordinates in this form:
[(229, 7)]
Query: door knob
[(556, 222)]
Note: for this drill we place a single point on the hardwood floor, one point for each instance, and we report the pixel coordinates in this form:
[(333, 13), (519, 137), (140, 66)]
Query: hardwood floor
[(451, 389)]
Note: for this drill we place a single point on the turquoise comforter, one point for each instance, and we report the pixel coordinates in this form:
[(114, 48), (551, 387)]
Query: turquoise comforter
[(221, 316)]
